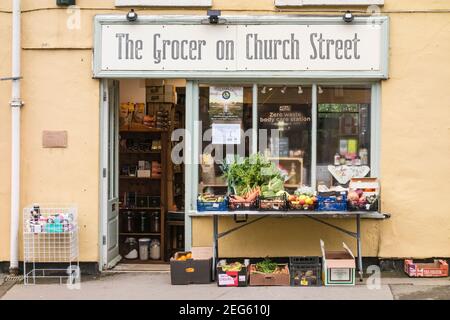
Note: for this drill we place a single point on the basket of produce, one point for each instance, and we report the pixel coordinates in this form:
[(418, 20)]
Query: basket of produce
[(269, 273), (302, 199), (363, 194), (305, 271), (273, 203), (250, 179), (248, 201), (211, 202), (233, 274), (332, 201)]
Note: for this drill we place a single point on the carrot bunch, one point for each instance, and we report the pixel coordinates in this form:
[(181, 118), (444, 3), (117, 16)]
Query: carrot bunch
[(249, 196)]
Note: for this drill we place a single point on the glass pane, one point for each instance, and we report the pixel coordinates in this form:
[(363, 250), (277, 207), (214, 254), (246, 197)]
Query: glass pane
[(226, 119), (285, 122), (343, 131)]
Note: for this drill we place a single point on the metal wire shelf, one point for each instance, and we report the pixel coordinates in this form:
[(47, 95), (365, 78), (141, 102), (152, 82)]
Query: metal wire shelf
[(50, 236)]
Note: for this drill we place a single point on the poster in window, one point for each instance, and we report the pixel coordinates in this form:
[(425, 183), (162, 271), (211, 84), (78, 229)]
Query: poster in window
[(226, 104)]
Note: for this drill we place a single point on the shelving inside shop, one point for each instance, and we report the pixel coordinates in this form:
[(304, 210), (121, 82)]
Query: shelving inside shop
[(150, 186)]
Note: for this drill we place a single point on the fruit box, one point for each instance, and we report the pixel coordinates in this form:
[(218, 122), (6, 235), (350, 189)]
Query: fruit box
[(363, 194), (270, 279), (338, 267), (232, 278), (439, 268), (197, 270)]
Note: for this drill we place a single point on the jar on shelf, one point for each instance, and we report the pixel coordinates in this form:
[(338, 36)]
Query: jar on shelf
[(130, 249), (143, 248), (144, 222), (155, 249), (129, 222), (155, 226)]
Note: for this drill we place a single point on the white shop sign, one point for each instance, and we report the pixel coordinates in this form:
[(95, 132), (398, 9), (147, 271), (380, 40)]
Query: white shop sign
[(240, 48)]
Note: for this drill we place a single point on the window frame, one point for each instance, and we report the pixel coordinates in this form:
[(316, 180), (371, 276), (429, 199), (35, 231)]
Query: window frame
[(163, 3), (300, 3), (192, 171)]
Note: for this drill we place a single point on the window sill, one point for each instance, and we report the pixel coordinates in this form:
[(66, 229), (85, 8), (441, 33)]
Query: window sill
[(300, 3), (164, 3)]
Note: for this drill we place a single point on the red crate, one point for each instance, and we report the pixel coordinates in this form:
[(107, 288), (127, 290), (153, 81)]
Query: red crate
[(439, 268)]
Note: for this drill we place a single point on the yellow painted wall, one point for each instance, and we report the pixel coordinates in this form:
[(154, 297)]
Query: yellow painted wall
[(60, 94)]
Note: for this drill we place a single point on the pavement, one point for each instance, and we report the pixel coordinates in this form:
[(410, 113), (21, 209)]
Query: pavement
[(156, 285)]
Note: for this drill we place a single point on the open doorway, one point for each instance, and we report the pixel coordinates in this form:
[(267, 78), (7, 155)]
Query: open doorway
[(144, 224)]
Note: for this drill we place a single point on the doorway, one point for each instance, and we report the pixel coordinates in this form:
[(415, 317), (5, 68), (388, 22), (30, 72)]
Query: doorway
[(142, 190)]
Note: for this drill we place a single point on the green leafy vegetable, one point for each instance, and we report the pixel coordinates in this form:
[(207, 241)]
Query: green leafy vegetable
[(266, 266), (244, 174)]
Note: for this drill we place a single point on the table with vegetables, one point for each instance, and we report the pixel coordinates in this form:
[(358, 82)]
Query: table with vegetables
[(256, 189)]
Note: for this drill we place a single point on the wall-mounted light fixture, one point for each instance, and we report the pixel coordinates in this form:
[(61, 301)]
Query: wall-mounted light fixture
[(320, 90), (132, 16), (65, 2), (300, 90), (348, 17), (264, 90), (283, 90)]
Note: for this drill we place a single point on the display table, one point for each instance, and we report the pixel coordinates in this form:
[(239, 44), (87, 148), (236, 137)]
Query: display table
[(319, 216)]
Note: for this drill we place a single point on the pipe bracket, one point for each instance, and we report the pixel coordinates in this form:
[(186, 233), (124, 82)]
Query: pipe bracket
[(16, 104)]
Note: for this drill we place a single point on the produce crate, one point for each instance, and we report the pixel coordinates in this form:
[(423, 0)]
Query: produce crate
[(243, 205), (332, 201), (351, 206), (232, 278), (212, 206), (363, 194), (439, 268), (278, 203), (299, 207), (269, 279), (305, 271)]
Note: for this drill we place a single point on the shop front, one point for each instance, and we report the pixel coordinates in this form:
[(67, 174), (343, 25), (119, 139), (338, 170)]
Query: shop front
[(296, 95)]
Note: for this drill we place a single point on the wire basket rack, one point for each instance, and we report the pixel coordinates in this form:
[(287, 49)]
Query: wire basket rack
[(50, 239)]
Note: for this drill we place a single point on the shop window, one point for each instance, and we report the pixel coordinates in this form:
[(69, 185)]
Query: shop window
[(343, 131), (164, 3), (284, 123), (285, 132), (226, 121)]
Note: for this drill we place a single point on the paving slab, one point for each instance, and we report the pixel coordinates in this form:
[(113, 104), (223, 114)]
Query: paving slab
[(152, 286), (420, 292), (148, 286)]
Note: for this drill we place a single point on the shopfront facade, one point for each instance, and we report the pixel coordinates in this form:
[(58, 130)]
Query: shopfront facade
[(385, 68)]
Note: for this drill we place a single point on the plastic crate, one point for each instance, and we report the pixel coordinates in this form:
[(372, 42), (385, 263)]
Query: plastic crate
[(278, 203), (242, 205), (302, 207), (305, 271), (212, 206), (365, 207), (333, 202)]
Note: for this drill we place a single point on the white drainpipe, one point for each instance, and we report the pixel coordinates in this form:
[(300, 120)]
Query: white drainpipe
[(16, 104)]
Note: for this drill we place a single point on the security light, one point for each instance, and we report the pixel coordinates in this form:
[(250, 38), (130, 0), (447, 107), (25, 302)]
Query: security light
[(283, 90), (214, 16), (132, 16), (263, 90), (348, 17), (65, 2), (320, 90), (300, 90)]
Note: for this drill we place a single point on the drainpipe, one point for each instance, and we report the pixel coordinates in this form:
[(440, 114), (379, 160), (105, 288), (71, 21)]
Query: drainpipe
[(16, 104)]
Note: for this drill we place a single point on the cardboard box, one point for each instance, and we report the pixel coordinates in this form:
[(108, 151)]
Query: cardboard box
[(338, 267), (141, 173), (274, 279), (232, 278), (439, 268), (197, 270), (157, 94)]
